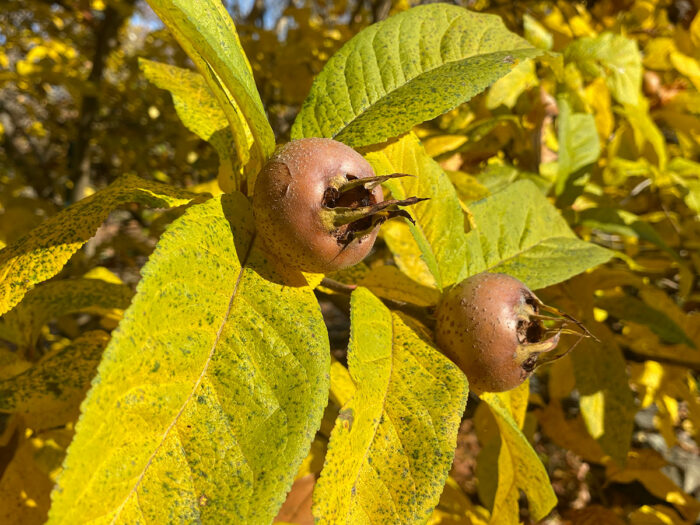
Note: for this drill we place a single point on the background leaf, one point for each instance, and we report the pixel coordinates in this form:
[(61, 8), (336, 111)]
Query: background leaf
[(200, 112), (41, 253), (523, 235), (607, 403), (239, 374), (393, 443), (405, 70), (579, 147), (49, 393), (54, 299), (439, 230), (613, 57), (631, 309)]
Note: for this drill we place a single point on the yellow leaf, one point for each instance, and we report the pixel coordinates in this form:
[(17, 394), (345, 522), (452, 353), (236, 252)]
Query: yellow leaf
[(569, 433), (519, 468), (455, 508), (643, 466), (393, 442), (49, 393), (657, 54), (598, 96), (57, 298), (26, 482), (438, 233), (41, 253), (342, 387), (655, 515), (201, 409), (506, 90), (687, 66)]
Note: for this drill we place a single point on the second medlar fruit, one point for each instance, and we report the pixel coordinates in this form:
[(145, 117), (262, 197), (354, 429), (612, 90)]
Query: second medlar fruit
[(491, 326)]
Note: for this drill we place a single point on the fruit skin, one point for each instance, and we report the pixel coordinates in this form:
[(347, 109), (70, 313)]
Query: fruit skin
[(288, 201), (484, 325)]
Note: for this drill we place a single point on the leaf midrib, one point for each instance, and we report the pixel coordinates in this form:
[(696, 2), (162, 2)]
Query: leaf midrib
[(134, 489)]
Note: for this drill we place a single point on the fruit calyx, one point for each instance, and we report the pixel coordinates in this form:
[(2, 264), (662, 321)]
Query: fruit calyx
[(536, 341), (349, 210)]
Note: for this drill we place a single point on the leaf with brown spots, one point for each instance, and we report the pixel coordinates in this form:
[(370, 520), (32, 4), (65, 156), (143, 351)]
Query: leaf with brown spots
[(405, 70), (393, 442), (42, 253), (49, 393), (211, 391)]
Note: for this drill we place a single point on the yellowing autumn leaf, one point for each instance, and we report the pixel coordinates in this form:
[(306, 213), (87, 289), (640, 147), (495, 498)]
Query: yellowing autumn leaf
[(41, 253), (393, 442)]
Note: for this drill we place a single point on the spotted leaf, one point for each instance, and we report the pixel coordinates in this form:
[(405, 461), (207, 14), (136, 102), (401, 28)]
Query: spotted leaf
[(393, 442), (211, 390), (42, 253), (405, 70)]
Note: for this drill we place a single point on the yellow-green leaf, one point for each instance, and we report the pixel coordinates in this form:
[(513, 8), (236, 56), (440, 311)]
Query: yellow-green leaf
[(521, 233), (211, 390), (405, 70), (206, 32), (201, 113), (506, 90), (49, 393), (519, 468), (393, 443), (193, 100), (614, 58), (41, 253), (439, 228)]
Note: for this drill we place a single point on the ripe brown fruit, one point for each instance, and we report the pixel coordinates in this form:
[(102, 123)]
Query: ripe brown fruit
[(489, 325), (312, 212)]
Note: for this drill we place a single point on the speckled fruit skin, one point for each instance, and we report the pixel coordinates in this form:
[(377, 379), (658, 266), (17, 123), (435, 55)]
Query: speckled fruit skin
[(288, 197), (477, 329)]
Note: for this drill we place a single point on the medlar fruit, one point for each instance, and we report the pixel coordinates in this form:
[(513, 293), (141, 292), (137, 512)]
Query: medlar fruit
[(491, 327), (318, 205)]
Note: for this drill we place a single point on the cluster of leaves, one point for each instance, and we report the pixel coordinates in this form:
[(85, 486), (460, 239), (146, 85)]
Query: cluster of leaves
[(209, 395)]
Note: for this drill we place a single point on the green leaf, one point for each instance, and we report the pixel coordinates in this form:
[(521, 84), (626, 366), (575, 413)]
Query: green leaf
[(211, 390), (518, 468), (439, 228), (497, 177), (521, 233), (201, 113), (632, 309), (579, 147), (42, 253), (206, 32), (57, 298), (393, 443), (49, 393), (409, 68), (614, 58)]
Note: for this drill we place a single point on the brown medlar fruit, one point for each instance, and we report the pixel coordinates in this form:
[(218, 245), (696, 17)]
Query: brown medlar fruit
[(318, 205)]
